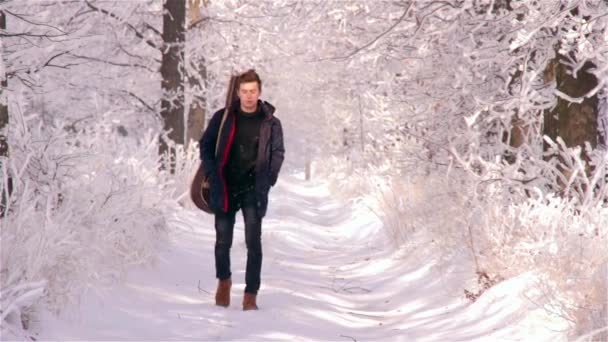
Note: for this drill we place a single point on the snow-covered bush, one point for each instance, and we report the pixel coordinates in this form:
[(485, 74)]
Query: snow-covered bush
[(561, 235), (177, 182), (550, 235), (87, 203), (510, 228), (425, 207)]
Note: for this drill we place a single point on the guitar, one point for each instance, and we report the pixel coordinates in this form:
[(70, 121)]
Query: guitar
[(200, 191)]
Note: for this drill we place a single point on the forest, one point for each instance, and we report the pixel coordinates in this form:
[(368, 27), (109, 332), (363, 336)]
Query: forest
[(470, 128)]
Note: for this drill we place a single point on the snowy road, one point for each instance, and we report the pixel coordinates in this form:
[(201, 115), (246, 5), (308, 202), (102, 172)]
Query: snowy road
[(329, 273)]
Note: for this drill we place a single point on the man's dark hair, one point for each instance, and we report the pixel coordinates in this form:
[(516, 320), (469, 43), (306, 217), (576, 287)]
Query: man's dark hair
[(249, 76)]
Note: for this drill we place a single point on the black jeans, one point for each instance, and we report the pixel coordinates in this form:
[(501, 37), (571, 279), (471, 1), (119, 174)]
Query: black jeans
[(224, 228)]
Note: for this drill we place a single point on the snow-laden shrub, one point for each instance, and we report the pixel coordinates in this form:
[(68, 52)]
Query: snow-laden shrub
[(349, 181), (563, 235), (185, 163), (87, 203), (510, 227), (567, 247), (428, 207)]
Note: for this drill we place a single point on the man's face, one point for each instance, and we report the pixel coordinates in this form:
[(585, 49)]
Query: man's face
[(249, 93)]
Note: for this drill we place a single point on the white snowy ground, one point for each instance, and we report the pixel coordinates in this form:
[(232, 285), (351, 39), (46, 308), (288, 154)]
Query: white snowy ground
[(328, 273)]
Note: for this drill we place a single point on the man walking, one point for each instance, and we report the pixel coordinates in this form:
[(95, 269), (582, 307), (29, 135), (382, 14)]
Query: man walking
[(240, 172)]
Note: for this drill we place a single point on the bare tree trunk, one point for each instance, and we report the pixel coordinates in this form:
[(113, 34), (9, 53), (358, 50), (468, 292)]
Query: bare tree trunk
[(196, 113), (519, 132), (361, 137), (307, 163), (197, 83), (3, 102), (172, 72), (574, 123), (6, 189)]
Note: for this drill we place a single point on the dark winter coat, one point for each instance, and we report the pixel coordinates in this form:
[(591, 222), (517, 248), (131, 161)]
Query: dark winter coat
[(268, 163)]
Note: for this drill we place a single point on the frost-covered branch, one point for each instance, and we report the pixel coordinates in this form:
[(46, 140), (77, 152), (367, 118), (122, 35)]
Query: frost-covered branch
[(135, 31)]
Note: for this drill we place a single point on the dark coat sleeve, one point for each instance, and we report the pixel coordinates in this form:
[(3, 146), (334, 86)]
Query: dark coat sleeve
[(207, 143), (277, 151)]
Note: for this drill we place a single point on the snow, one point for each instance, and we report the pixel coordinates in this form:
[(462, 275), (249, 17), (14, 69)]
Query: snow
[(329, 273), (83, 135)]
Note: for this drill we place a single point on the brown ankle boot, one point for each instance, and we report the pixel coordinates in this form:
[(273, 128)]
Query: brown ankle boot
[(222, 295), (249, 302)]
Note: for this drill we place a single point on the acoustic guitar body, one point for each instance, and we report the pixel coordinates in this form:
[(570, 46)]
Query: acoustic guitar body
[(199, 190)]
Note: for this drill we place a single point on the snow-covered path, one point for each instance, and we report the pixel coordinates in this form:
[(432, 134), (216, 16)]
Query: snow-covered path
[(329, 273)]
